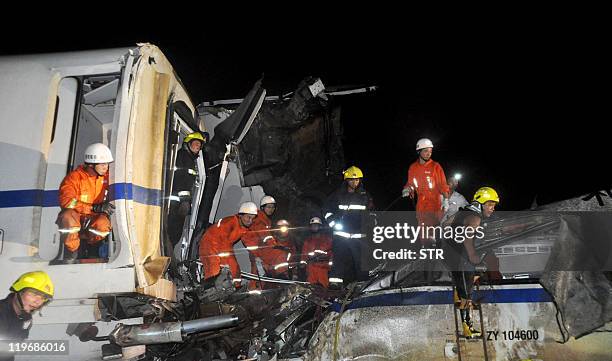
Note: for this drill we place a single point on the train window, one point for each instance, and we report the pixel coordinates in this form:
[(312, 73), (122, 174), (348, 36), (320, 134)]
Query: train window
[(92, 119), (179, 182)]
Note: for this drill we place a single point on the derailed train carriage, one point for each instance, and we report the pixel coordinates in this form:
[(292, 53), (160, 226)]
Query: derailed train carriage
[(53, 106), (551, 303)]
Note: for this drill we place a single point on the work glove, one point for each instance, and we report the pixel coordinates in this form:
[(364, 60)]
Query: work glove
[(330, 218), (105, 207), (481, 267), (406, 192), (445, 204), (184, 207), (282, 248)]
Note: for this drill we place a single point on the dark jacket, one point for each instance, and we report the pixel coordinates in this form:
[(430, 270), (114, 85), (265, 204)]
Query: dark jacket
[(186, 172), (348, 208), (12, 327)]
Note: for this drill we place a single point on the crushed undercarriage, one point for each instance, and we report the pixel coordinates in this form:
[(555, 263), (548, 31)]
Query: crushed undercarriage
[(379, 319)]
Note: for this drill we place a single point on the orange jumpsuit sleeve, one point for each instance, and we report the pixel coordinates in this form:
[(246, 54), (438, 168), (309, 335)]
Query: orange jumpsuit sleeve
[(306, 248), (70, 193), (209, 254), (411, 175), (294, 254), (441, 179)]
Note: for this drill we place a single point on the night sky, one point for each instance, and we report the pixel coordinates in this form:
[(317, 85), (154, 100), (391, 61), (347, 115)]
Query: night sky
[(519, 114)]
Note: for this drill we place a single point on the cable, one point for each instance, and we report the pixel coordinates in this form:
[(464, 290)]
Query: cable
[(561, 324), (337, 331)]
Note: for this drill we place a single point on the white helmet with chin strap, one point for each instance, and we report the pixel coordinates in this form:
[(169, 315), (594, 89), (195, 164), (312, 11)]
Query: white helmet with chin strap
[(248, 208), (315, 220), (98, 153), (267, 200), (424, 143)]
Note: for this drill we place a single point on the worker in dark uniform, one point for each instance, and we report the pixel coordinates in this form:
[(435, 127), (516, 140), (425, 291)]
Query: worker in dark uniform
[(461, 257), (344, 212), (185, 177), (29, 293)]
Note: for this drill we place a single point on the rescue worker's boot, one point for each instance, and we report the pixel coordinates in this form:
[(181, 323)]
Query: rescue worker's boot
[(69, 256), (336, 284), (456, 299), (469, 331), (468, 327), (92, 250)]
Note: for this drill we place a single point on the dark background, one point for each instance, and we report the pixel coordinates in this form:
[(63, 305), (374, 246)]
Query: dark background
[(521, 113)]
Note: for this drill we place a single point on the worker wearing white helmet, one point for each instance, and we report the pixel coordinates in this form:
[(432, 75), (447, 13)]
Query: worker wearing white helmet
[(216, 245), (284, 252), (259, 238), (83, 199), (317, 253), (427, 180)]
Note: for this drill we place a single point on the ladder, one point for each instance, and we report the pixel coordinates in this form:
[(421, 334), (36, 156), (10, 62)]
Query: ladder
[(459, 329)]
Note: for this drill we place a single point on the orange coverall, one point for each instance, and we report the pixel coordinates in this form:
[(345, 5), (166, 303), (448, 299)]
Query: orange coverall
[(216, 246), (429, 182), (313, 248), (259, 230), (282, 259), (79, 191)]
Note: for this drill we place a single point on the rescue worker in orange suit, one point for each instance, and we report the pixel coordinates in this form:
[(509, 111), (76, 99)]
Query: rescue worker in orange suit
[(317, 254), (284, 253), (258, 240), (85, 207), (29, 293), (344, 211), (426, 178), (461, 257), (216, 245), (184, 178)]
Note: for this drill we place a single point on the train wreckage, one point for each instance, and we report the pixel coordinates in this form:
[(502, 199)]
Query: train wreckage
[(548, 299)]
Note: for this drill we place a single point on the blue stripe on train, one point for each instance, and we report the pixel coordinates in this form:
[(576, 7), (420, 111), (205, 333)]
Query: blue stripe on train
[(519, 295), (49, 198)]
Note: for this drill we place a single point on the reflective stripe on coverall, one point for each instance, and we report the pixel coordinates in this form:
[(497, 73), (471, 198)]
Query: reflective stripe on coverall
[(79, 191), (317, 253), (429, 182), (216, 246)]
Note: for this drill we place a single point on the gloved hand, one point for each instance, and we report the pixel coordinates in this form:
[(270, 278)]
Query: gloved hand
[(184, 208), (282, 248), (481, 267), (105, 207), (330, 218), (445, 204), (407, 192)]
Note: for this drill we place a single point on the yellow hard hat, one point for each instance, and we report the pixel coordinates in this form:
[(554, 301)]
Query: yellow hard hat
[(194, 136), (353, 172), (37, 280), (485, 194)]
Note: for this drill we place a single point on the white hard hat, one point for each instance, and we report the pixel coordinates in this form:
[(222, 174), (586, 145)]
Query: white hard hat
[(282, 222), (315, 220), (248, 208), (424, 143), (98, 153), (267, 200)]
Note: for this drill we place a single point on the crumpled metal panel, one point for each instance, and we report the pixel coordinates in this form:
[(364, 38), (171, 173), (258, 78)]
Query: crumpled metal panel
[(427, 332)]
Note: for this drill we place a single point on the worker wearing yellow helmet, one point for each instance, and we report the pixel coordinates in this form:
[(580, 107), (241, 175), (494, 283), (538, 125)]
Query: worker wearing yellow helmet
[(29, 293), (344, 210), (185, 175), (460, 253)]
